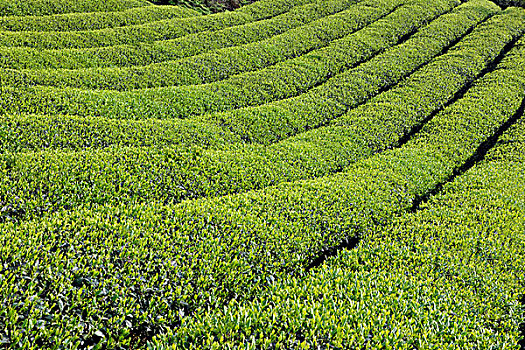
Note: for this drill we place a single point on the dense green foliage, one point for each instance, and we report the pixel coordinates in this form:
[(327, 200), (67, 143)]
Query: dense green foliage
[(250, 167), (92, 20), (448, 274), (200, 67), (178, 180), (206, 6), (282, 80), (159, 51), (51, 7), (147, 32)]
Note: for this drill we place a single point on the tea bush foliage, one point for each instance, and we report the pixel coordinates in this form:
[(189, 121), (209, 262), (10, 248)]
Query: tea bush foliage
[(294, 174)]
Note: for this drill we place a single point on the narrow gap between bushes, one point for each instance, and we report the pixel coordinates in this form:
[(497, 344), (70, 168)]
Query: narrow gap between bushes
[(458, 95), (348, 244), (206, 6), (477, 157), (521, 343)]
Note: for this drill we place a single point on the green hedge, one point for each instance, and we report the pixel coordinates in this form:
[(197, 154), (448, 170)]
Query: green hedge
[(122, 270), (93, 20), (511, 145), (76, 174), (51, 7), (283, 80), (217, 65), (159, 30), (25, 133)]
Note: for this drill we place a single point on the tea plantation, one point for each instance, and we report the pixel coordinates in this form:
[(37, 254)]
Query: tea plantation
[(294, 174)]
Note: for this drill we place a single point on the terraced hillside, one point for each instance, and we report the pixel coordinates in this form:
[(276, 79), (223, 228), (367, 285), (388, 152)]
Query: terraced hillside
[(295, 174)]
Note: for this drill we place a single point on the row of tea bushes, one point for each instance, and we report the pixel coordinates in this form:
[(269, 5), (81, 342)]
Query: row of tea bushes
[(286, 79), (50, 7), (93, 20), (220, 64), (158, 30), (29, 132), (451, 273), (191, 173), (132, 271)]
